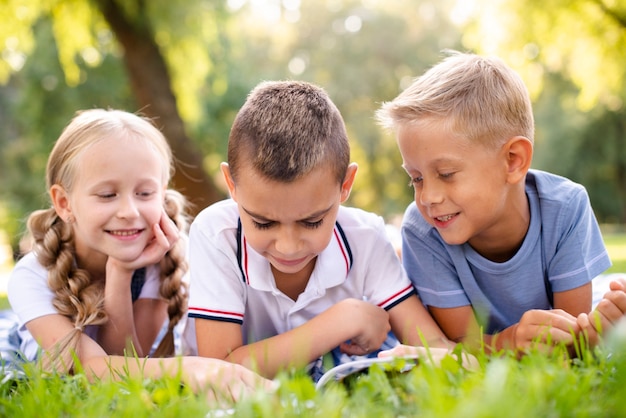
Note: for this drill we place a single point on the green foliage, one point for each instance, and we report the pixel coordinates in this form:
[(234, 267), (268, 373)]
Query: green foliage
[(59, 56), (571, 55)]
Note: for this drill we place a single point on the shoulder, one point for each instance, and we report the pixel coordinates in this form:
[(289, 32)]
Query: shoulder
[(552, 187), (351, 217), (559, 199), (360, 224), (26, 271), (216, 218), (414, 223), (28, 290)]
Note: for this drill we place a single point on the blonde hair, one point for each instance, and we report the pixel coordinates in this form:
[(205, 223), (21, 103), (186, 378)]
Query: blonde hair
[(285, 129), (479, 98), (75, 295)]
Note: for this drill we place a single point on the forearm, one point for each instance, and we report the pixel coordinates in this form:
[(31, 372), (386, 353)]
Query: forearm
[(299, 346), (119, 331), (292, 349)]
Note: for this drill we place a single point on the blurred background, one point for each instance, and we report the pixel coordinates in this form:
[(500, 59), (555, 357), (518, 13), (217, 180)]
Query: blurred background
[(190, 64)]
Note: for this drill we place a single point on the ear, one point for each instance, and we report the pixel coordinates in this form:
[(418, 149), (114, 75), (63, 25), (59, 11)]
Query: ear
[(61, 201), (348, 181), (519, 155), (228, 178)]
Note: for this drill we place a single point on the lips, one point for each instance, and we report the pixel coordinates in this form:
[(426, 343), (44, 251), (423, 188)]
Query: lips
[(125, 232), (290, 262), (444, 220)]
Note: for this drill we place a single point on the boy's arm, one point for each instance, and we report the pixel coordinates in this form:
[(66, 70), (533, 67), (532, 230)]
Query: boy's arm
[(574, 301), (545, 327), (410, 322), (366, 325)]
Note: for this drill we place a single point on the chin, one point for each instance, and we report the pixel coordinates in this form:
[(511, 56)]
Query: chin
[(453, 240)]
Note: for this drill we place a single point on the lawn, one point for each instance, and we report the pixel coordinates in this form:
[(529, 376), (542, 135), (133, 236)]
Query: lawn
[(616, 246), (539, 385)]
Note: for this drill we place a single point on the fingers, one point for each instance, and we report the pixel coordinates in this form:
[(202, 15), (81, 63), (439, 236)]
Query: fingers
[(403, 350), (165, 232), (353, 349), (585, 324), (618, 284), (168, 228), (614, 304), (546, 326), (231, 383)]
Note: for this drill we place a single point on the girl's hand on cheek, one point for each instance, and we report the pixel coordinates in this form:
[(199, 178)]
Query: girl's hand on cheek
[(164, 236)]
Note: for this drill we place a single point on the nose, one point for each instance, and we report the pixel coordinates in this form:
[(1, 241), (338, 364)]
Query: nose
[(127, 207), (429, 194), (287, 240)]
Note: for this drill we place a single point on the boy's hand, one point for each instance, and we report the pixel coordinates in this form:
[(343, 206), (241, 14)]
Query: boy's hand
[(609, 310), (372, 326), (544, 327)]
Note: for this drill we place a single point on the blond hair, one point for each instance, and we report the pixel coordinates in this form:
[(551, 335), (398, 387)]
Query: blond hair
[(75, 295), (285, 129), (479, 98)]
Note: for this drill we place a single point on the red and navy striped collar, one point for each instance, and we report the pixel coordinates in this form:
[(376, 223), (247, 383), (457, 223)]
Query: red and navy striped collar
[(337, 255)]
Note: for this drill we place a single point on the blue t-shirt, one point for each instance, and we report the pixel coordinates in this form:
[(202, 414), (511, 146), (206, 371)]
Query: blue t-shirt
[(563, 249)]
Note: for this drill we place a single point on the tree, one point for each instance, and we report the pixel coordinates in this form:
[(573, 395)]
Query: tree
[(568, 43), (165, 61)]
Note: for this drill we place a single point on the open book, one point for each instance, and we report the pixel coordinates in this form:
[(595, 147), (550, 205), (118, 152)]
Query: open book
[(338, 373)]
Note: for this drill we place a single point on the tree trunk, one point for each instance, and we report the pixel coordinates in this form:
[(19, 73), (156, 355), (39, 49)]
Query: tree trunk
[(150, 83)]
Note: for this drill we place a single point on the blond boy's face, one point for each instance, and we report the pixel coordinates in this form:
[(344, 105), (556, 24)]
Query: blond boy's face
[(461, 187), (288, 223)]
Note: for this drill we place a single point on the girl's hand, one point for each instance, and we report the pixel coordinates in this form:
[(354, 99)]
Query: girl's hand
[(165, 234), (434, 354), (224, 383)]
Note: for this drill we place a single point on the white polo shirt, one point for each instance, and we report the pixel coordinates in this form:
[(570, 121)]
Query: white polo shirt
[(230, 281)]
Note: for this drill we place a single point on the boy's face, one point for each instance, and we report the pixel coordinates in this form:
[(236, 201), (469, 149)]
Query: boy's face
[(461, 188), (289, 223)]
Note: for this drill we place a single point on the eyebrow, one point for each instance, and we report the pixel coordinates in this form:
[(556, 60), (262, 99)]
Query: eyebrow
[(311, 216), (442, 160)]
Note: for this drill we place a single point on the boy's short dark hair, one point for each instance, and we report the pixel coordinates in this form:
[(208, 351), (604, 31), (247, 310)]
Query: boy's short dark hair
[(479, 98), (285, 129)]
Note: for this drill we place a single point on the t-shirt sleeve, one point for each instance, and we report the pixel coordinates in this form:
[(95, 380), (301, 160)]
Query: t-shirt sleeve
[(28, 291), (387, 282), (577, 246), (216, 284), (429, 265)]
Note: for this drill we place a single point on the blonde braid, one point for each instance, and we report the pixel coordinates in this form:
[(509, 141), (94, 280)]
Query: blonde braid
[(173, 268), (74, 294)]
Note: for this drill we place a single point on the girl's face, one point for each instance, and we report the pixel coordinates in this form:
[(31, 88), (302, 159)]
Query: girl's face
[(117, 198), (289, 223)]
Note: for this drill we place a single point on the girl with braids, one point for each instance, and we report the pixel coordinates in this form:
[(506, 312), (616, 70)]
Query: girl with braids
[(107, 265)]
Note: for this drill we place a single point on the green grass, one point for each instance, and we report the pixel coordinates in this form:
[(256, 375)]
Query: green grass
[(616, 246), (537, 386)]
